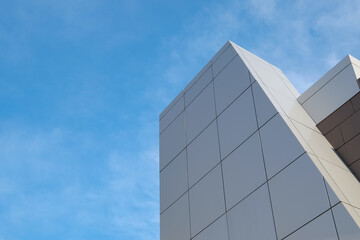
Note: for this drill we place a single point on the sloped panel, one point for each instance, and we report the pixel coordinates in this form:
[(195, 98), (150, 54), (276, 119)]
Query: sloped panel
[(206, 201), (172, 140), (198, 86), (289, 141), (173, 181), (252, 219), (319, 145), (200, 113), (302, 127), (347, 228), (280, 146), (203, 153), (293, 109), (322, 227), (264, 107), (230, 83), (333, 198), (286, 81), (253, 59), (298, 195), (216, 231), (172, 114), (319, 105), (236, 123), (223, 59), (345, 180), (175, 221), (243, 171)]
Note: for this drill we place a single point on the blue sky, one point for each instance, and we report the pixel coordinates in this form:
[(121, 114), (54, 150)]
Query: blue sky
[(82, 83)]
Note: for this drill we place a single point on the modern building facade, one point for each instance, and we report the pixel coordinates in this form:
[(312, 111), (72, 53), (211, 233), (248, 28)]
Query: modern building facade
[(244, 156)]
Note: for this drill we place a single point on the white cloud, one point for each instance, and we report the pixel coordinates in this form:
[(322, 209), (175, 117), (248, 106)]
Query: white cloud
[(332, 59), (124, 195), (300, 80), (304, 38), (189, 50), (42, 185), (133, 182), (287, 34), (341, 18), (265, 9)]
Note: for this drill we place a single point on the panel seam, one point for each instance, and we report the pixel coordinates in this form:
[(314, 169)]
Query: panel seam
[(222, 171)]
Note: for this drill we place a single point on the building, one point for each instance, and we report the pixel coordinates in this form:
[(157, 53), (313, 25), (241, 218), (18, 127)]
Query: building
[(244, 156)]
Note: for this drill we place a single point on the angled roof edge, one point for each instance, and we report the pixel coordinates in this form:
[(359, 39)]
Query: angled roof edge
[(348, 59), (284, 97), (279, 91), (193, 81), (257, 65)]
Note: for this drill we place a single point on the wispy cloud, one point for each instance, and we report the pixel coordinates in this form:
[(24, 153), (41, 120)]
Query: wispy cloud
[(188, 51), (264, 9), (136, 212), (54, 176), (302, 37), (43, 185)]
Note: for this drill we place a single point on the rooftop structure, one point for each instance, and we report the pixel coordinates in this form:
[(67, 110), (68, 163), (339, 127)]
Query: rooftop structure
[(244, 156)]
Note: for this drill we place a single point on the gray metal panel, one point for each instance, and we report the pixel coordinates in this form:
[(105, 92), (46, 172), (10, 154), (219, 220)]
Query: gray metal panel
[(272, 80), (221, 51), (320, 105), (324, 79), (298, 195), (207, 196), (286, 81), (206, 201), (198, 86), (319, 145), (347, 228), (293, 109), (197, 77), (332, 196), (175, 222), (223, 60), (346, 182), (251, 219), (172, 114), (322, 228), (243, 171), (279, 144), (237, 123), (173, 102), (230, 83), (264, 107), (216, 231), (172, 141), (173, 181), (200, 113), (203, 153)]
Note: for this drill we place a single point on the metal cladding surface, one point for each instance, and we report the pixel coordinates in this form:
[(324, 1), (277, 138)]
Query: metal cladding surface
[(242, 157)]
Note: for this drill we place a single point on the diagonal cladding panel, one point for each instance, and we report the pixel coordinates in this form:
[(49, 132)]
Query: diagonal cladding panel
[(238, 130), (284, 96)]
